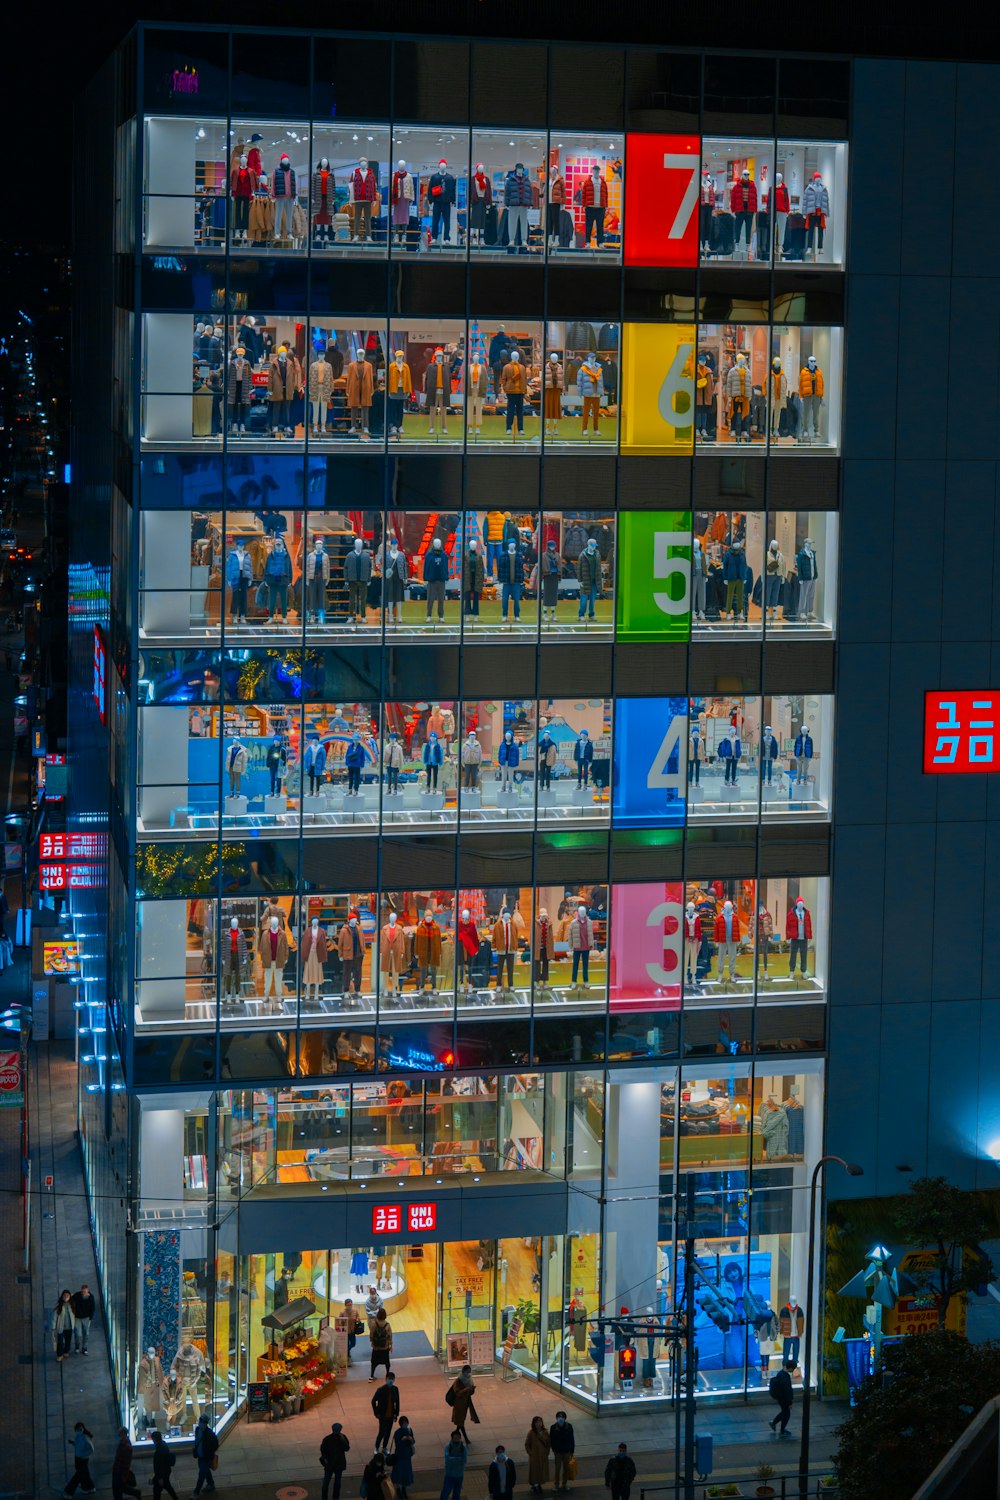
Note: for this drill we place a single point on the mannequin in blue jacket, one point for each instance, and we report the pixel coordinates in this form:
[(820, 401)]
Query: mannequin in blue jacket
[(433, 758), (508, 758), (354, 760), (803, 753), (314, 763), (769, 751), (583, 755), (730, 750)]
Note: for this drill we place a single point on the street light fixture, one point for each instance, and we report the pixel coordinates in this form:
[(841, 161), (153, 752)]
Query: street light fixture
[(853, 1170)]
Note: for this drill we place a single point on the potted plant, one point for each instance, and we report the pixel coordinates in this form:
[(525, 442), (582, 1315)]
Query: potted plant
[(718, 1491), (527, 1311), (828, 1482), (765, 1474)]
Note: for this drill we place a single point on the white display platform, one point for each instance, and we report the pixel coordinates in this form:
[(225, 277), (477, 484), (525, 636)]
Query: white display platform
[(236, 807), (276, 805)]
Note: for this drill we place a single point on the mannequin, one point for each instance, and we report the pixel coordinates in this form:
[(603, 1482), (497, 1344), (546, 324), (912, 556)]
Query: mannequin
[(699, 580), (441, 192), (433, 758), (395, 576), (545, 945), (510, 575), (706, 208), (399, 385), (320, 392), (816, 207), (556, 199), (591, 579), (727, 939), (435, 578), (427, 951), (354, 760), (351, 945), (466, 948), (765, 932), (583, 757), (550, 568), (476, 387), (317, 578), (704, 400), (322, 203), (392, 764), (480, 199), (187, 1368), (358, 572), (313, 953), (803, 754), (236, 764), (777, 394), (553, 377), (277, 577), (692, 944), (148, 1383), (364, 191), (807, 567), (695, 754), (402, 195), (514, 384), (273, 950), (437, 392), (774, 577), (472, 759), (284, 192), (508, 759), (738, 389), (517, 200), (791, 1326), (782, 208), (234, 957), (733, 576), (730, 750), (392, 954), (239, 576), (811, 394), (473, 579), (581, 941), (239, 389), (242, 186), (314, 763), (277, 762), (360, 388), (590, 379), (743, 205), (504, 948), (594, 196), (284, 382), (769, 752)]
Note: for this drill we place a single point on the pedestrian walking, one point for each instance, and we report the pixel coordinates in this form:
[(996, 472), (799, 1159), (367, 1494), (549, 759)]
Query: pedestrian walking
[(459, 1397), (385, 1405), (455, 1456), (780, 1388), (502, 1476), (619, 1474), (82, 1443), (84, 1307), (536, 1446), (381, 1341), (163, 1462), (333, 1451), (206, 1448), (371, 1305), (353, 1324), (403, 1448), (62, 1325), (122, 1478), (563, 1440), (373, 1477)]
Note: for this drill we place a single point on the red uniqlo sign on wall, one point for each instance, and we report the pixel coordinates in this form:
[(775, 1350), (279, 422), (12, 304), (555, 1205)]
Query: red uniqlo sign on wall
[(388, 1218), (661, 200), (421, 1216), (959, 732)]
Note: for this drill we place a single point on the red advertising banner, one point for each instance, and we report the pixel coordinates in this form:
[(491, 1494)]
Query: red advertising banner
[(661, 200), (959, 732)]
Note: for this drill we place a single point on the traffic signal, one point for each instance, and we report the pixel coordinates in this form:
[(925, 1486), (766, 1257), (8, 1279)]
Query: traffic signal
[(626, 1364)]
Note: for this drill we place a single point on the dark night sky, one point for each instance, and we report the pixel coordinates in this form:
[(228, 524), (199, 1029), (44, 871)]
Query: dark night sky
[(58, 59)]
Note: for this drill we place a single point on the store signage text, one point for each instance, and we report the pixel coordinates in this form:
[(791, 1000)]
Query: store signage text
[(183, 80), (387, 1218), (70, 877), (661, 200), (72, 845), (100, 674), (959, 732)]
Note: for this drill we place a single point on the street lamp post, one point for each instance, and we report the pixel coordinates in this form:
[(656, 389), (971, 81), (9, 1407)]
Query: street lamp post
[(853, 1170)]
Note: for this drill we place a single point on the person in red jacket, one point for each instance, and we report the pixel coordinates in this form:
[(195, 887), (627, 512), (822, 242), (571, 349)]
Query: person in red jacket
[(466, 947), (743, 202), (798, 931), (727, 938), (594, 197)]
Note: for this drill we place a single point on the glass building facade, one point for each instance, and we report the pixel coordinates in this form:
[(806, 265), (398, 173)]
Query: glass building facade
[(454, 633)]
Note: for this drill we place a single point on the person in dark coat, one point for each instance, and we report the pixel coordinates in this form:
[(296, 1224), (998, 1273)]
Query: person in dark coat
[(619, 1474), (122, 1478), (403, 1447), (206, 1446), (563, 1441), (163, 1462), (781, 1390), (502, 1476), (333, 1451), (385, 1405)]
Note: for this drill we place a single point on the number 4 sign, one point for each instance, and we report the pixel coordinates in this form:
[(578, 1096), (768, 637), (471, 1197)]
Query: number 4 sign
[(661, 200)]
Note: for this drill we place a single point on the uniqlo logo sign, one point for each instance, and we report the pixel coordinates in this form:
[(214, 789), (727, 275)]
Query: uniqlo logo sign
[(661, 200), (387, 1219), (421, 1216), (959, 732)]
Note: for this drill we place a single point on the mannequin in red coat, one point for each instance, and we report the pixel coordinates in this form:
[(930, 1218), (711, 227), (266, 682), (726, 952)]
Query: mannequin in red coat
[(466, 947), (798, 931), (242, 186), (743, 203)]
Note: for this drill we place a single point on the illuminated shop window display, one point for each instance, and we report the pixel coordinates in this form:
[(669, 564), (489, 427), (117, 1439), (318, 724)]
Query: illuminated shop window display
[(734, 193), (749, 757), (581, 380), (734, 935)]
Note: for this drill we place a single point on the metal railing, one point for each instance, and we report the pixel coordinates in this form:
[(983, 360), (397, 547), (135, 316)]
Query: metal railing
[(780, 1486)]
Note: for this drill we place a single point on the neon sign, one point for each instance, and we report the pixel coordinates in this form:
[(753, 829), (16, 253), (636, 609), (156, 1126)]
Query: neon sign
[(959, 732)]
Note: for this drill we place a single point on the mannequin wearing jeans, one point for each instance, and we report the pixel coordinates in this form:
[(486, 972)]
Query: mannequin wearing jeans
[(811, 394), (317, 578), (743, 204), (236, 764), (514, 384), (695, 757), (730, 751), (283, 191), (441, 193), (798, 931), (769, 752), (727, 938), (807, 568), (803, 750), (583, 758), (505, 948), (239, 576), (508, 759), (581, 941), (510, 574)]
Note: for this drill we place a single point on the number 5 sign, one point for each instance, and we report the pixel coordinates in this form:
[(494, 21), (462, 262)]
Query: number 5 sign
[(661, 200), (654, 575)]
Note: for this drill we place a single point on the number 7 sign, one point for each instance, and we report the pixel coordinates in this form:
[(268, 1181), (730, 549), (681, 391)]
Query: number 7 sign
[(661, 200)]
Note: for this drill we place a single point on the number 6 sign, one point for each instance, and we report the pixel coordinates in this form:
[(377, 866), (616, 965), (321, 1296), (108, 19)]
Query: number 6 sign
[(661, 200), (654, 575)]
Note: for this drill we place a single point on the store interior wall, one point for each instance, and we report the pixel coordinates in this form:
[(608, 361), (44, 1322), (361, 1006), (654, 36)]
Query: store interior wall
[(632, 1206), (170, 158)]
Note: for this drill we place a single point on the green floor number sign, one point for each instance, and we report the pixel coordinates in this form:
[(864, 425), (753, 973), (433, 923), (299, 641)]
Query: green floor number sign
[(654, 575)]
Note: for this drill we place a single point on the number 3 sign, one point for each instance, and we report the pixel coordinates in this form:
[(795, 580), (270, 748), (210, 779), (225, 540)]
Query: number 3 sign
[(661, 200)]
